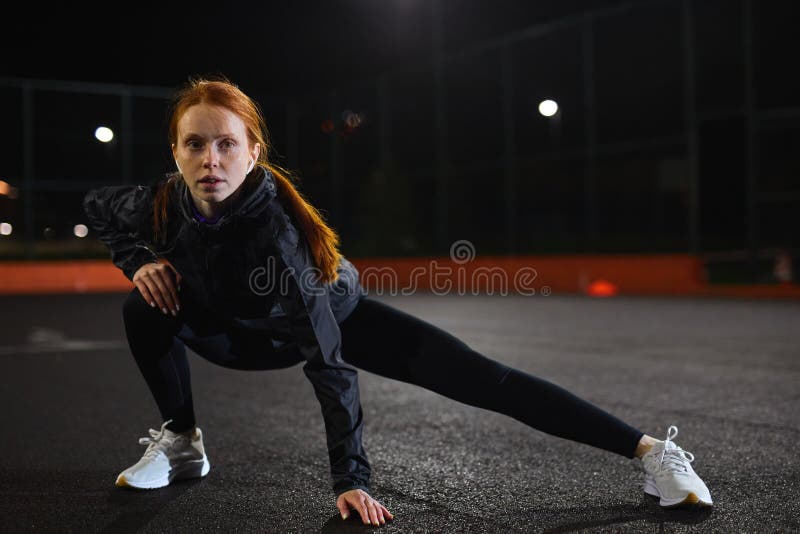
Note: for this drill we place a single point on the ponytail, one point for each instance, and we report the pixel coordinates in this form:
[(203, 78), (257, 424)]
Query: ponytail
[(323, 241)]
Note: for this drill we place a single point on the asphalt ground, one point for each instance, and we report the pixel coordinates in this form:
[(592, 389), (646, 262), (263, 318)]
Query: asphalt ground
[(725, 371)]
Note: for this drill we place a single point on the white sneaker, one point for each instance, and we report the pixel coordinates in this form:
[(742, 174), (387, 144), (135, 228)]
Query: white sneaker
[(669, 475), (169, 456)]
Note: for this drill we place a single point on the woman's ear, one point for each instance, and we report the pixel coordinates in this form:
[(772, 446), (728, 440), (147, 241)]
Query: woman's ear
[(175, 157)]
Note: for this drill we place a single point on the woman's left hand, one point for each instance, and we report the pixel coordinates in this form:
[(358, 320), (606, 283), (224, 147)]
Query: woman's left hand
[(370, 510)]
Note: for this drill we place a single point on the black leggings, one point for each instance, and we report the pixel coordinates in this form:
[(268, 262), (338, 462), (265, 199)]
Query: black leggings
[(376, 338)]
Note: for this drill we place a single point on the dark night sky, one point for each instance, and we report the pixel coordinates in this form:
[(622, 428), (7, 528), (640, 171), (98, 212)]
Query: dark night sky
[(285, 49), (279, 47)]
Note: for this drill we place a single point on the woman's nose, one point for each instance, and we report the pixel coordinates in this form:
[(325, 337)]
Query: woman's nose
[(211, 158)]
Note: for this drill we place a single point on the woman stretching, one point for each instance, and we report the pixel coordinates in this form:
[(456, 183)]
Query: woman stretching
[(229, 259)]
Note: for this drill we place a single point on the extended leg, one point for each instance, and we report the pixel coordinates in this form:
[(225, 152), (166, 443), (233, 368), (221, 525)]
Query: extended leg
[(389, 342)]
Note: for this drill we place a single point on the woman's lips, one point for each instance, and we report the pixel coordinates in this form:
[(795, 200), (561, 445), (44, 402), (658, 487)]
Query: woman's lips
[(209, 184)]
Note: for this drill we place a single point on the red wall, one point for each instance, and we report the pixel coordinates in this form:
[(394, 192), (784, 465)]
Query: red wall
[(630, 274)]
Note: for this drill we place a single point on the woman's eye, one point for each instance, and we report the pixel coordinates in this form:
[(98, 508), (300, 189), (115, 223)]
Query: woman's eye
[(227, 144)]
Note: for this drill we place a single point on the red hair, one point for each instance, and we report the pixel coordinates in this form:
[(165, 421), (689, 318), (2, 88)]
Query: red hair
[(323, 241)]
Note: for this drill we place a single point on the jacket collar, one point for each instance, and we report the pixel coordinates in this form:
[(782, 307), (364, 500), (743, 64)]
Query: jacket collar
[(259, 190)]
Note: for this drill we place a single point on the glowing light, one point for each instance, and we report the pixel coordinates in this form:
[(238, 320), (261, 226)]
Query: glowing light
[(548, 108), (6, 228), (602, 288), (104, 134), (7, 190), (352, 120), (80, 230)]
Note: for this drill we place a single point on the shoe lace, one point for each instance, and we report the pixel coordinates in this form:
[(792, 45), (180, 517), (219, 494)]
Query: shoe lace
[(153, 442), (674, 458)]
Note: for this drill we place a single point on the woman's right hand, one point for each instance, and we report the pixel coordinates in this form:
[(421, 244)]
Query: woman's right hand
[(159, 283)]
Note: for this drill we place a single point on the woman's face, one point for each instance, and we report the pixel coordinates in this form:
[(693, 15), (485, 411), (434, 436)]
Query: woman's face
[(213, 152)]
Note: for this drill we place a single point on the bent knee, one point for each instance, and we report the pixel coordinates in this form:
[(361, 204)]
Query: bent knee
[(136, 306)]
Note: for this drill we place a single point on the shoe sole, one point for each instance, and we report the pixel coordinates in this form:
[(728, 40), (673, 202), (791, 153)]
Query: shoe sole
[(194, 469), (690, 500)]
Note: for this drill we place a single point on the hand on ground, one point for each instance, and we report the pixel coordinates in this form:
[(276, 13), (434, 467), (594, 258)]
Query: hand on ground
[(370, 510)]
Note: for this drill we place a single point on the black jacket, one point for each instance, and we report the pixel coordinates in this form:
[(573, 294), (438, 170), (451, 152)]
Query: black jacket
[(252, 269)]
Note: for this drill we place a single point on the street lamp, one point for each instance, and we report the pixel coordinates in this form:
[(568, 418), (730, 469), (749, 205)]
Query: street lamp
[(549, 108), (104, 134)]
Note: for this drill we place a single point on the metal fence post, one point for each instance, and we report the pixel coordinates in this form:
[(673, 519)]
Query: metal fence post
[(510, 174), (590, 125), (442, 167), (690, 116), (750, 151), (384, 123), (28, 167), (126, 117), (335, 214), (292, 135)]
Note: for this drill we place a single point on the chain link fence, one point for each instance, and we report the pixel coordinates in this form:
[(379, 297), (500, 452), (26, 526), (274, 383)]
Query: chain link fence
[(676, 131)]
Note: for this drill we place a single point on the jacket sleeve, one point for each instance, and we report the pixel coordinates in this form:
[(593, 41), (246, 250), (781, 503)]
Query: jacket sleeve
[(335, 382), (116, 213)]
